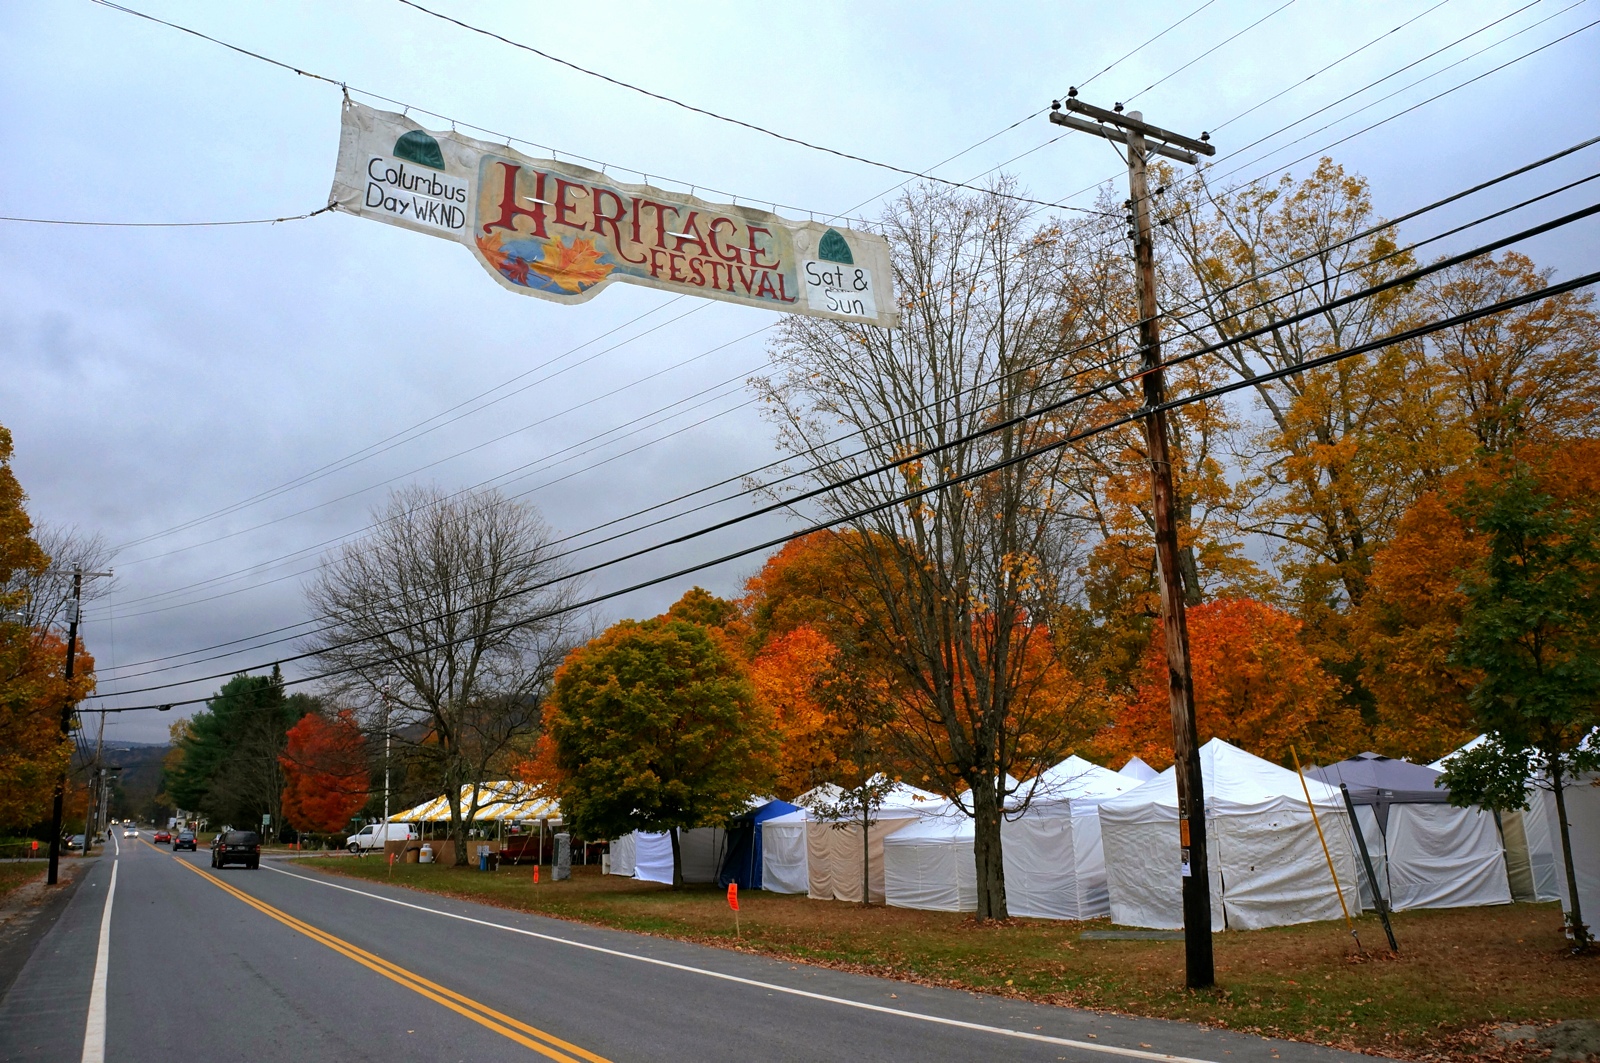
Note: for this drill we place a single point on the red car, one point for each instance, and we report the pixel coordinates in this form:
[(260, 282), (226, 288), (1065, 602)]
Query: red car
[(162, 836)]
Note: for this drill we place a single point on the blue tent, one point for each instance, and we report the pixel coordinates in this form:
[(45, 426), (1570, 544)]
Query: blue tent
[(742, 864)]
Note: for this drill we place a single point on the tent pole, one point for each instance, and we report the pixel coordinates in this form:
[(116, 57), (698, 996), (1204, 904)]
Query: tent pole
[(1325, 853), (1378, 900)]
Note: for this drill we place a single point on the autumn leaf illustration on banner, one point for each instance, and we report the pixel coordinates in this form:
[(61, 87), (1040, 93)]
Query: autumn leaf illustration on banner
[(513, 266), (573, 268)]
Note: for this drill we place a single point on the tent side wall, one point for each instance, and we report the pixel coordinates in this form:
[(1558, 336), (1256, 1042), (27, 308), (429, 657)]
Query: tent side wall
[(622, 856), (1041, 866), (784, 868), (1088, 847), (1544, 846), (652, 857), (1444, 857), (1274, 870), (931, 873), (833, 858), (1143, 876), (1582, 797)]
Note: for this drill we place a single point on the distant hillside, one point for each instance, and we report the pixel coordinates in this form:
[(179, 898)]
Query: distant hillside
[(134, 793)]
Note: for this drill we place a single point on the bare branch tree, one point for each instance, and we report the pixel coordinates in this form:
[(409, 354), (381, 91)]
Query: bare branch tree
[(448, 609), (968, 574)]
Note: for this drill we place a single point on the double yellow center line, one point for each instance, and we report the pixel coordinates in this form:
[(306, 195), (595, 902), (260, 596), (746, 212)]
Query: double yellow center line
[(528, 1036)]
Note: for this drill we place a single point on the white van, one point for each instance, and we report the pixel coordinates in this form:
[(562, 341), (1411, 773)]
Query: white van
[(373, 835)]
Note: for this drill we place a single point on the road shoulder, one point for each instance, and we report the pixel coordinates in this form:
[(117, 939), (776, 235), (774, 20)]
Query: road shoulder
[(29, 914)]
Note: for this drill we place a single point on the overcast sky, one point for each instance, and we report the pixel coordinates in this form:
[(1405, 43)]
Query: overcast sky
[(152, 377)]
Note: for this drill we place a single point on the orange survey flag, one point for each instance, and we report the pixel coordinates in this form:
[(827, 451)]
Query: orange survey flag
[(733, 896)]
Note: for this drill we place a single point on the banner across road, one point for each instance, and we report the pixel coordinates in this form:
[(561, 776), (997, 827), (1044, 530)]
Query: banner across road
[(562, 231)]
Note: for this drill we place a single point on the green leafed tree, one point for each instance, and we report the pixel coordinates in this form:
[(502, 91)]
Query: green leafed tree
[(1531, 629), (655, 726), (230, 768)]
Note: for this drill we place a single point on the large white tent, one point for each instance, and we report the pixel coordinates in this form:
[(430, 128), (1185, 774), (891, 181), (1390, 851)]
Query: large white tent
[(834, 850), (1054, 860), (1582, 798), (1425, 853), (928, 863), (1531, 844), (783, 853), (1054, 864), (1266, 864), (1137, 770), (648, 856)]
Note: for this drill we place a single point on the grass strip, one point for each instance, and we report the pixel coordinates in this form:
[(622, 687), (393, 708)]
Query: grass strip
[(1460, 971)]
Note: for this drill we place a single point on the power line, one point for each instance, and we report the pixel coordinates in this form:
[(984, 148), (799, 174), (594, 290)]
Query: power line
[(404, 435), (601, 436), (165, 224), (1400, 280), (1127, 55), (478, 446), (1323, 70), (1201, 177), (1323, 361), (508, 138), (1406, 250), (1415, 106), (1196, 59), (753, 127)]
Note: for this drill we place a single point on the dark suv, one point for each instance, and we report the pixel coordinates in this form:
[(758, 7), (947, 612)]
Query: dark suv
[(236, 847), (184, 839)]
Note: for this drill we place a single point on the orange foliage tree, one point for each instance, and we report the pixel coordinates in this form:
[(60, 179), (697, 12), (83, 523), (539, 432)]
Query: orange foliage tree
[(1255, 684), (1408, 624), (326, 779), (33, 751)]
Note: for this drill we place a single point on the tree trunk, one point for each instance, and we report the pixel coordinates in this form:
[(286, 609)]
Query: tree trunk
[(677, 861), (1580, 933), (986, 852), (866, 851)]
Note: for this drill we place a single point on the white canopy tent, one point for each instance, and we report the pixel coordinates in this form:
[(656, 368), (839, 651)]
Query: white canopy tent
[(833, 850), (1582, 798), (783, 854), (1266, 863), (928, 863), (1531, 843), (1055, 862), (623, 852), (648, 857), (1425, 853), (1137, 770)]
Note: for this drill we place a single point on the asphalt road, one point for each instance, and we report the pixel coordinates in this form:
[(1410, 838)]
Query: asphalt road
[(282, 963)]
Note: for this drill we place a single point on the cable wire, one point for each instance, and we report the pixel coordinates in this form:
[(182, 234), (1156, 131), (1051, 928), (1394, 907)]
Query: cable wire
[(1323, 361), (1404, 250), (900, 460)]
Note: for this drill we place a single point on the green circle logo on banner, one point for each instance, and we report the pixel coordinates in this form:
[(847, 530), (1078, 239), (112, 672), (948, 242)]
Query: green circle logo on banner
[(833, 248), (418, 147)]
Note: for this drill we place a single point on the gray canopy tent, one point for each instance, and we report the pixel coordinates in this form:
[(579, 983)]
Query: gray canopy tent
[(1425, 853)]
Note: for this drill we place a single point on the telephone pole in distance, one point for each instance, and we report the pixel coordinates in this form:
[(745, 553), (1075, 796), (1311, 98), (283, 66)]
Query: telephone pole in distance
[(74, 606), (1142, 141)]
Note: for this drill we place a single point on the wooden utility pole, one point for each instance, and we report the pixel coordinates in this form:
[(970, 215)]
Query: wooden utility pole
[(1143, 140), (66, 730), (74, 607)]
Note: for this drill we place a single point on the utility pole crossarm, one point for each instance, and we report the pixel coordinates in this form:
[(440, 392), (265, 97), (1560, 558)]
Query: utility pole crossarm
[(1135, 124), (1120, 137)]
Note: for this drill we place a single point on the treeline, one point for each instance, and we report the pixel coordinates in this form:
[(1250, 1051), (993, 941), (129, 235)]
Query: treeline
[(1370, 548)]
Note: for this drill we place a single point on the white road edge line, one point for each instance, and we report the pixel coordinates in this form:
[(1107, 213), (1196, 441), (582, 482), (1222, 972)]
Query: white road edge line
[(1087, 1046), (94, 1029)]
